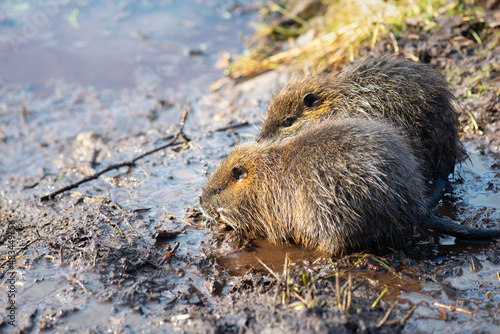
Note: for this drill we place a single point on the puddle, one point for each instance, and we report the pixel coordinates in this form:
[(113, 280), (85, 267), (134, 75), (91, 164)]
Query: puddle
[(466, 274), (93, 313), (239, 263), (108, 44), (481, 185)]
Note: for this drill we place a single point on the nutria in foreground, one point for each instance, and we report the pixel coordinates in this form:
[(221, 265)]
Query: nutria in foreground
[(342, 185), (412, 95)]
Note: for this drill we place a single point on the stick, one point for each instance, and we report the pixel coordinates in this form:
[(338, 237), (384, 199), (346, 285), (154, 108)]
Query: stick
[(268, 269), (452, 308), (234, 126), (172, 142), (406, 317), (169, 254), (386, 316)]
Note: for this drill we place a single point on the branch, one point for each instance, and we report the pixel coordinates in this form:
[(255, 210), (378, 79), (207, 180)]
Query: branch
[(179, 135), (234, 126)]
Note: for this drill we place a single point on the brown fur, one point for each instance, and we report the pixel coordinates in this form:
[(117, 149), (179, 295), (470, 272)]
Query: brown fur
[(341, 185), (412, 95)]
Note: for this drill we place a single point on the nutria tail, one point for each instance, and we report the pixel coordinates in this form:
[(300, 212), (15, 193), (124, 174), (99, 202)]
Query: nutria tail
[(446, 226)]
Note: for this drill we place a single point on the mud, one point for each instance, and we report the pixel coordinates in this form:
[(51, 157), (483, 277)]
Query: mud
[(128, 252)]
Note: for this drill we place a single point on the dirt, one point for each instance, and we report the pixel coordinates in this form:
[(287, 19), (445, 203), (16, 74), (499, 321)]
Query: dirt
[(128, 252)]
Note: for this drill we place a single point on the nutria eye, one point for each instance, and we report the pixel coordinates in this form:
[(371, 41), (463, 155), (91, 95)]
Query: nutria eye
[(310, 100), (239, 173), (288, 122), (217, 191)]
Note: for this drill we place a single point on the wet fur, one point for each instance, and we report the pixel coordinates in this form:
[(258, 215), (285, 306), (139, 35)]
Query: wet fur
[(341, 185), (412, 95)]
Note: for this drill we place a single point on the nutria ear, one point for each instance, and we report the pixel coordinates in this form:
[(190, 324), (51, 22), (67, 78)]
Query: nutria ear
[(239, 173), (310, 100)]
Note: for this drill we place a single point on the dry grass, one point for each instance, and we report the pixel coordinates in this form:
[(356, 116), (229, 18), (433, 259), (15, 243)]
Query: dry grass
[(337, 30)]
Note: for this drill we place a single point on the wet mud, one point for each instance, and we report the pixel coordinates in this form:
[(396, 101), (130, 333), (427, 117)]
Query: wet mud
[(129, 252)]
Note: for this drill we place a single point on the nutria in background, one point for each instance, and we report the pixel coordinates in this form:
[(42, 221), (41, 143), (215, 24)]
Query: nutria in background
[(412, 95)]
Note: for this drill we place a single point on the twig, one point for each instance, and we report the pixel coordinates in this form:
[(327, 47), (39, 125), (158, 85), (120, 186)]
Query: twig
[(178, 135), (195, 226), (452, 308), (73, 280), (169, 137), (216, 272), (408, 55), (286, 275), (168, 46), (407, 316), (33, 185), (349, 294), (380, 262), (112, 224), (337, 287), (234, 126), (394, 43), (268, 269), (386, 316), (473, 120), (169, 254), (130, 226), (278, 285), (187, 222), (302, 300), (457, 47)]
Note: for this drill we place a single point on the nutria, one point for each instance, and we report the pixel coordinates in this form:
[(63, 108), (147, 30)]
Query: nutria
[(412, 95), (342, 185)]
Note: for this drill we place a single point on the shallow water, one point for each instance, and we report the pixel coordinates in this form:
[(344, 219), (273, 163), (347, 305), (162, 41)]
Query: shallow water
[(102, 67), (466, 275), (115, 44), (481, 185)]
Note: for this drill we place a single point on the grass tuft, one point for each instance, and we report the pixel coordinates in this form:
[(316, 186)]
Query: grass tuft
[(323, 35)]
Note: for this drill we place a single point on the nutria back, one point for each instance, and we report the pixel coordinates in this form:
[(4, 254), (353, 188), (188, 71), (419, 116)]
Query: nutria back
[(412, 95), (340, 185)]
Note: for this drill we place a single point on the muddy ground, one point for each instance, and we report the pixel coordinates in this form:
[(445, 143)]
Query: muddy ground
[(129, 253)]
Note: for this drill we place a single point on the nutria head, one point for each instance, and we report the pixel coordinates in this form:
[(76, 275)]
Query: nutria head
[(233, 187), (224, 188), (302, 100)]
